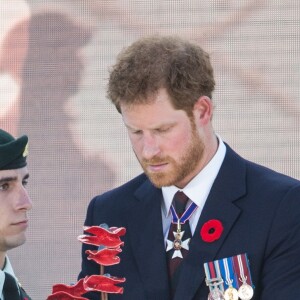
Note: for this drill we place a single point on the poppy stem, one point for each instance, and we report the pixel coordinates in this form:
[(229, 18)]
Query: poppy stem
[(104, 296)]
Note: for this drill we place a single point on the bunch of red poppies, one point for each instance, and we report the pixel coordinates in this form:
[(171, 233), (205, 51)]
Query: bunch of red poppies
[(109, 246)]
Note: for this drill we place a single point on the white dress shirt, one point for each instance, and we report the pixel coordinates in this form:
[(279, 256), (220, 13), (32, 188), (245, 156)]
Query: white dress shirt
[(197, 190)]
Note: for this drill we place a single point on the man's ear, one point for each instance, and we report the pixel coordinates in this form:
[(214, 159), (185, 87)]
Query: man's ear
[(203, 110)]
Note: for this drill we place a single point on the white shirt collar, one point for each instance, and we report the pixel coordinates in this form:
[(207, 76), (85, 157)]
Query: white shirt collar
[(199, 187)]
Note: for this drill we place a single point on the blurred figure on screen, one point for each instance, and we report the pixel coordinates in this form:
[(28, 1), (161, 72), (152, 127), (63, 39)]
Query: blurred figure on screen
[(14, 205), (43, 55), (13, 49), (51, 76)]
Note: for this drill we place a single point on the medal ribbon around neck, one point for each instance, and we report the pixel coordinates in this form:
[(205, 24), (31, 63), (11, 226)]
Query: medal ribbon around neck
[(185, 216), (178, 243)]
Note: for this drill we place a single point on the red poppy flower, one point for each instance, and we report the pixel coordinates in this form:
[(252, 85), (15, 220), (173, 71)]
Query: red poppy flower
[(75, 290), (103, 283), (105, 256), (103, 237), (64, 296), (211, 231)]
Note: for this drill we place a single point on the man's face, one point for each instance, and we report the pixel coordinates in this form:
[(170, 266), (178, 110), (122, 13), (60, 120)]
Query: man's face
[(165, 141), (14, 204)]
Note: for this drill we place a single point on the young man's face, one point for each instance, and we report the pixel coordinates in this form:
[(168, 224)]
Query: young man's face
[(14, 204), (165, 141)]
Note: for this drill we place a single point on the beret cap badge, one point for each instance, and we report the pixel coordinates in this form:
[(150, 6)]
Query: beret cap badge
[(26, 150)]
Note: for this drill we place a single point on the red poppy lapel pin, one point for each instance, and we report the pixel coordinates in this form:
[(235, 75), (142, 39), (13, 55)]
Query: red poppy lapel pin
[(211, 231)]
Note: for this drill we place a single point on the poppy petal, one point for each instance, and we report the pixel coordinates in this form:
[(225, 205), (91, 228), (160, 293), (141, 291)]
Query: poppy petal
[(105, 257), (103, 283)]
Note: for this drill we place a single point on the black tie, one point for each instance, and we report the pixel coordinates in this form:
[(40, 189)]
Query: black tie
[(10, 288), (174, 264)]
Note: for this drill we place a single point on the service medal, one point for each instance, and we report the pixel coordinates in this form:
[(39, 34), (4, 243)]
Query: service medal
[(231, 285), (231, 294), (245, 292), (214, 281), (215, 294)]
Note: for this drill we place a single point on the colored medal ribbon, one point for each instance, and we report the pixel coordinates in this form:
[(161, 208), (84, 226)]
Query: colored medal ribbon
[(227, 271), (241, 266), (214, 280)]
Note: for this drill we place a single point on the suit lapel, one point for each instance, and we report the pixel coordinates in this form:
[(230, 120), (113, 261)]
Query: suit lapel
[(228, 186), (147, 241)]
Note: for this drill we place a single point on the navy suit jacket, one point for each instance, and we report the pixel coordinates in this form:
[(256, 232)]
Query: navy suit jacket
[(260, 213)]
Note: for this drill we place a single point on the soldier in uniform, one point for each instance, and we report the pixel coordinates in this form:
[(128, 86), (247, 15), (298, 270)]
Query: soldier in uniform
[(14, 205)]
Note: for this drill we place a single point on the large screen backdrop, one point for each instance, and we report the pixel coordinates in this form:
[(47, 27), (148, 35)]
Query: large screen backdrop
[(54, 60)]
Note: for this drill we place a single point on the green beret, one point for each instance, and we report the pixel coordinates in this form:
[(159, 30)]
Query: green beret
[(13, 152)]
